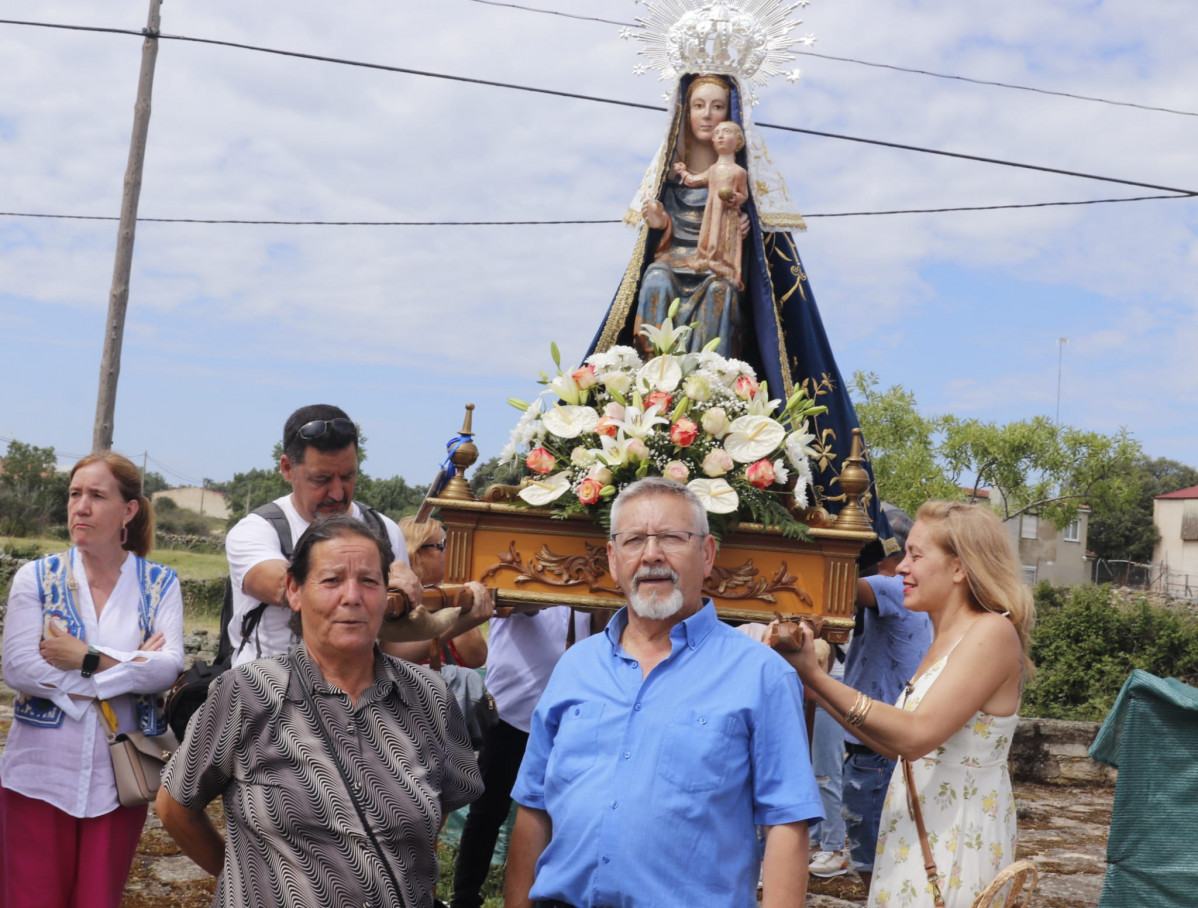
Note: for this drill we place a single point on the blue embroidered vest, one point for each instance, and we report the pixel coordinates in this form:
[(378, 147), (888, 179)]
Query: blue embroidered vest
[(58, 603)]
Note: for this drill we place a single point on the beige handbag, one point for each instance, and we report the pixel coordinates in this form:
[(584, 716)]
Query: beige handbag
[(137, 761)]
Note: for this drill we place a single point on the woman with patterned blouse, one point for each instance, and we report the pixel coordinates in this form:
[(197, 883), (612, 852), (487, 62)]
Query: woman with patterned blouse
[(955, 719), (293, 833)]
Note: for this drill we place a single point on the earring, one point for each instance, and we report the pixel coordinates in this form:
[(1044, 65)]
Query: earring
[(124, 534)]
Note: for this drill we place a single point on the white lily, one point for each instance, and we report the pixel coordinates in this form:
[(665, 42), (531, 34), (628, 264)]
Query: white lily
[(540, 492), (798, 447), (751, 438), (717, 496), (567, 389), (662, 373), (570, 421), (666, 338), (638, 423)]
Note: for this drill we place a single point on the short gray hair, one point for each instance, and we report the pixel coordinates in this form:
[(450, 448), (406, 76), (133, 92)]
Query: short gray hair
[(659, 485)]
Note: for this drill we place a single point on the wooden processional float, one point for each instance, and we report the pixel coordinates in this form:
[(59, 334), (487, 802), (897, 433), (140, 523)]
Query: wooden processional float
[(531, 559)]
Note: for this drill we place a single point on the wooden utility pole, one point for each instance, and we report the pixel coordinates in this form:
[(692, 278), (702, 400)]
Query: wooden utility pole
[(118, 297)]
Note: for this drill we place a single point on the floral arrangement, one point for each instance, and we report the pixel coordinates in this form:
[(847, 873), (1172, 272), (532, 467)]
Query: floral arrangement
[(697, 418)]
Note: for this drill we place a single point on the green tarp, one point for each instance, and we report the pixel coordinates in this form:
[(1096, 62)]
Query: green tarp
[(1151, 737)]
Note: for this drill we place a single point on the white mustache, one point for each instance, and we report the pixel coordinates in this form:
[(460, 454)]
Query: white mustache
[(655, 573)]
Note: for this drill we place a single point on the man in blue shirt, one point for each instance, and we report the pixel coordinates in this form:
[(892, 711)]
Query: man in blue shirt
[(660, 744), (888, 644)]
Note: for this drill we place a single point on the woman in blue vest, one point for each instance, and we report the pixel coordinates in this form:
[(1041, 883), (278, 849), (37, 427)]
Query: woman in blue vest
[(91, 636)]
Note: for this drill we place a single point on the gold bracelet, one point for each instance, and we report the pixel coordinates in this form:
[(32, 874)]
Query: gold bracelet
[(864, 712), (851, 715)]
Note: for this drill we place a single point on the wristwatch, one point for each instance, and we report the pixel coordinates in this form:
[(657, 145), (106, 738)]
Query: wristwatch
[(90, 662)]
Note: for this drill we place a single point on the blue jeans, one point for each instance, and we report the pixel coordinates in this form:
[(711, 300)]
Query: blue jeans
[(866, 778), (827, 760)]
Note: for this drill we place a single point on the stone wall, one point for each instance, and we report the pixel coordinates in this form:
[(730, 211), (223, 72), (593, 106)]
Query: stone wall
[(1056, 752)]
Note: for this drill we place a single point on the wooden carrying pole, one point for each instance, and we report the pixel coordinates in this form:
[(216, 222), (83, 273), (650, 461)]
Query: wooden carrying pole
[(118, 297)]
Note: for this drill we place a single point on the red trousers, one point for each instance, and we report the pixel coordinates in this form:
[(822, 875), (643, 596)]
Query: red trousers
[(50, 859)]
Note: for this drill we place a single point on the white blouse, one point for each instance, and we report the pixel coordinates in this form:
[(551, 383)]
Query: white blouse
[(69, 766)]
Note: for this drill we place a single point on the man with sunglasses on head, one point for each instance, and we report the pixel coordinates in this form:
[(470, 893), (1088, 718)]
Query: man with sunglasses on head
[(661, 744), (320, 461)]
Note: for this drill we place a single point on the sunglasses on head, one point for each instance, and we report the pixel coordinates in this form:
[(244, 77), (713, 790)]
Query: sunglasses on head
[(318, 428)]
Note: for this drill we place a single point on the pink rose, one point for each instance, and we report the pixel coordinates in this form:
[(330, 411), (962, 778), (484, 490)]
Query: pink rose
[(584, 377), (717, 463), (746, 387), (659, 399), (540, 461), (677, 471), (614, 410), (588, 491), (684, 432), (637, 449), (607, 426), (760, 474)]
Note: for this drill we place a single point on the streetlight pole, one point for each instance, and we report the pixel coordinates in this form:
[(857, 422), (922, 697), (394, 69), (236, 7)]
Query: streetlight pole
[(1061, 342)]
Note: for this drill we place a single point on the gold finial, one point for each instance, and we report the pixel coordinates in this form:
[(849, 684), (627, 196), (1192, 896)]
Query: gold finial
[(855, 483), (462, 457)]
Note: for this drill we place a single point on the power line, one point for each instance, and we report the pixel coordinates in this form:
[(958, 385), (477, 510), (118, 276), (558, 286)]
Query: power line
[(1010, 85), (553, 12), (902, 69), (633, 104), (531, 223)]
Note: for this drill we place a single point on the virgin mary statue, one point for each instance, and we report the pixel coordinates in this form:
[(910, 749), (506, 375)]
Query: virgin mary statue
[(773, 323)]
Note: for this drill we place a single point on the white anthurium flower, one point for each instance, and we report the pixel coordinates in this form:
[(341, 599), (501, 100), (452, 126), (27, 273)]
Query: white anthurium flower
[(639, 423), (717, 496), (751, 438), (540, 492), (662, 373), (798, 448), (570, 421)]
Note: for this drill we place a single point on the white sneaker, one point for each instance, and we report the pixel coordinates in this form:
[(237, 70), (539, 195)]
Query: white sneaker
[(825, 864)]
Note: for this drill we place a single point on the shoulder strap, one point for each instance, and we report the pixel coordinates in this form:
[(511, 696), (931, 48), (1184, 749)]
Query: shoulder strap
[(929, 862), (374, 519), (273, 514)]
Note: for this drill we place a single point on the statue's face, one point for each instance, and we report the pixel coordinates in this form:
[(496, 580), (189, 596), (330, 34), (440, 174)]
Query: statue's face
[(725, 138), (708, 109)]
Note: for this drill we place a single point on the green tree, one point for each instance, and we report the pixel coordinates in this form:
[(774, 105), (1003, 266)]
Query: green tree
[(1031, 465), (492, 472), (33, 494), (394, 497), (152, 482), (1127, 532), (252, 489)]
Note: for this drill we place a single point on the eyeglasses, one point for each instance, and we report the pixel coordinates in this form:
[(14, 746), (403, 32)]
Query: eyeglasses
[(670, 542), (318, 428), (439, 546)]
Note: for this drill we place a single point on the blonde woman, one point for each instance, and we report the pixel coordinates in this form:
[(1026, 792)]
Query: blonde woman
[(956, 717), (463, 644)]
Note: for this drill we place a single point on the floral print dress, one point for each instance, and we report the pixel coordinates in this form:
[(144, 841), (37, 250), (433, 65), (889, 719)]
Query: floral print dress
[(968, 811)]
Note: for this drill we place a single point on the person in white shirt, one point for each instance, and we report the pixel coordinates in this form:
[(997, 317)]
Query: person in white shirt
[(320, 461), (91, 636)]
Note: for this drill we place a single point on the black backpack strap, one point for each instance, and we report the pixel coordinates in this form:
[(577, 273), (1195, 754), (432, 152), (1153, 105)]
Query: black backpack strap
[(374, 520), (274, 515)]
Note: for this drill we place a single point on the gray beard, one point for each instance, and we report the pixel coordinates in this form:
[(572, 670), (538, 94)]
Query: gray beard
[(656, 608)]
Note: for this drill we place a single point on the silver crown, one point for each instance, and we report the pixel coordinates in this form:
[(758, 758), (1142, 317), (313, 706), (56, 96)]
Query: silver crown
[(748, 39)]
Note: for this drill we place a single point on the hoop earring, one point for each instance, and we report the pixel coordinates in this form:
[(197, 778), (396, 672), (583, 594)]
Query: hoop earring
[(124, 534)]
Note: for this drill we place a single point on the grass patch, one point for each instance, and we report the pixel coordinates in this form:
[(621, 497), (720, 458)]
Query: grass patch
[(188, 565)]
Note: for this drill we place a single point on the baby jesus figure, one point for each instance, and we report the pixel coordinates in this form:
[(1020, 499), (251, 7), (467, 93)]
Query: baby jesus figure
[(720, 236)]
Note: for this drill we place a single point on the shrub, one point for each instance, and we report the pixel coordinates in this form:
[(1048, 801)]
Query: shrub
[(202, 597), (1088, 640)]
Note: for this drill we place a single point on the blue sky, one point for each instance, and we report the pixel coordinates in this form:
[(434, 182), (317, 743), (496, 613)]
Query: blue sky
[(231, 327)]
